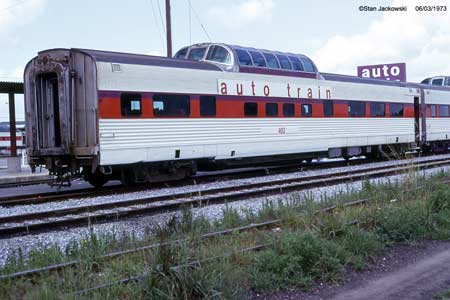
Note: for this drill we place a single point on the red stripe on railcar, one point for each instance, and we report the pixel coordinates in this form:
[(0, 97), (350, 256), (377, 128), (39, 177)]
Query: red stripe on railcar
[(408, 110), (8, 138), (109, 108), (233, 107)]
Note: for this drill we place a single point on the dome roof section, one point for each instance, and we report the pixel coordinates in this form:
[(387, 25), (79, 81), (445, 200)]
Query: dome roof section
[(237, 58)]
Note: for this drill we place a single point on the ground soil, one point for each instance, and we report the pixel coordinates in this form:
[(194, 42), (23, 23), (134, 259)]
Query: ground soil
[(412, 272)]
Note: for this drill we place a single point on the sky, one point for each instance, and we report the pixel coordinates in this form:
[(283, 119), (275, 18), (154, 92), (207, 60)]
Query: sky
[(335, 34)]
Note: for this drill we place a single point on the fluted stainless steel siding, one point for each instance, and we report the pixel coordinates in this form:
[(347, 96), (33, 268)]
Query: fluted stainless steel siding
[(132, 140)]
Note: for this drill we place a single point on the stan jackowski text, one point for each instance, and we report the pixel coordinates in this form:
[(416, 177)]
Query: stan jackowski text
[(383, 8)]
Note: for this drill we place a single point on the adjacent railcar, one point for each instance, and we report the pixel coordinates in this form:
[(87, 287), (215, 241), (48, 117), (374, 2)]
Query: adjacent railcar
[(143, 118)]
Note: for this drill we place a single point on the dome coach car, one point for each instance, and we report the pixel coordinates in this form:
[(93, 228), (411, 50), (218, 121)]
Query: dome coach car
[(139, 118)]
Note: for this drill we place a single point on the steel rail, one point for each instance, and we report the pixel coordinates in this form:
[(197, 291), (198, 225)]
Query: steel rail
[(46, 197)]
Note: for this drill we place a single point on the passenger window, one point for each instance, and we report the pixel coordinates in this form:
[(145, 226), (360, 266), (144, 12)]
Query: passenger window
[(207, 106), (288, 110), (197, 53), (272, 109), (243, 57), (284, 62), (443, 111), (433, 110), (296, 64), (328, 108), (356, 109), (258, 59), (272, 61), (306, 110), (131, 104), (171, 105), (396, 109), (377, 109), (251, 109), (219, 54)]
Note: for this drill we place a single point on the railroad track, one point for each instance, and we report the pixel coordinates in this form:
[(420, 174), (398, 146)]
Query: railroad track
[(25, 183), (89, 214), (54, 196), (267, 224), (117, 254)]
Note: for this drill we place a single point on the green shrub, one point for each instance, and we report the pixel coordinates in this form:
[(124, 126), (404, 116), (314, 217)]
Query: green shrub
[(440, 199), (402, 223), (296, 259)]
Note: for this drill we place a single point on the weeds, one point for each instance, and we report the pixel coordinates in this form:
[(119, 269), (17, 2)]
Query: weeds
[(311, 245)]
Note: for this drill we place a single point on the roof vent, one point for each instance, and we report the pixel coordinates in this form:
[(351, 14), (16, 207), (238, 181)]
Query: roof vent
[(116, 67)]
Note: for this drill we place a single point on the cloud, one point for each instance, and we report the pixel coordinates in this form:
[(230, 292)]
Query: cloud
[(421, 39), (16, 13), (235, 16)]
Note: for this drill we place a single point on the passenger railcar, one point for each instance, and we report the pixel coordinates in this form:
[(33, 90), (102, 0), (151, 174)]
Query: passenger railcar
[(142, 118)]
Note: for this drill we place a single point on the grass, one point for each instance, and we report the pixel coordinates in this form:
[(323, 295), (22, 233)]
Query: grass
[(309, 247)]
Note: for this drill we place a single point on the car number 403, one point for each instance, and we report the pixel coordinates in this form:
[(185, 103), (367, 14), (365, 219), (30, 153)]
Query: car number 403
[(282, 130)]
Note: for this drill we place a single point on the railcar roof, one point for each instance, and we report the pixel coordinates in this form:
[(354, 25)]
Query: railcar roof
[(141, 59), (356, 79)]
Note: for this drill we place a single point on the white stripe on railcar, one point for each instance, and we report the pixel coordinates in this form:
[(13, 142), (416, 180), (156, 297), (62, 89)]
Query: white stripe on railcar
[(133, 140)]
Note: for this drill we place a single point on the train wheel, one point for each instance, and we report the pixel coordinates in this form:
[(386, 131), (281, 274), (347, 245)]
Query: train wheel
[(98, 179), (128, 177)]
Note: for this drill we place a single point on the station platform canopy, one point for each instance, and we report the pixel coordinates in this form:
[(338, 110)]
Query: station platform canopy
[(11, 87)]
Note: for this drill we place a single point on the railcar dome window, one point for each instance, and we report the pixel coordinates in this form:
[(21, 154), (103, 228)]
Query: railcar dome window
[(272, 61), (244, 58), (272, 109), (251, 109), (171, 105), (197, 53), (396, 109), (218, 54), (284, 62), (377, 109), (296, 64), (131, 104), (288, 109), (356, 109), (258, 59), (181, 53), (207, 106), (328, 108), (308, 65), (306, 110), (437, 81), (443, 111)]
